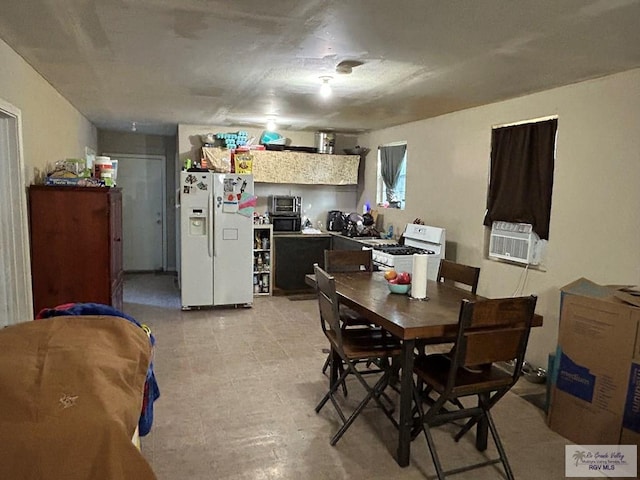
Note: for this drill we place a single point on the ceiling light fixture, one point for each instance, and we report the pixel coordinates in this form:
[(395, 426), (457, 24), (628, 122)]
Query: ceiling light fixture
[(325, 88)]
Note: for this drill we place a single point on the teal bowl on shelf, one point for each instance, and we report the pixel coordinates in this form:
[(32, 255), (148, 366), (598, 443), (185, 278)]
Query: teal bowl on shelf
[(401, 288)]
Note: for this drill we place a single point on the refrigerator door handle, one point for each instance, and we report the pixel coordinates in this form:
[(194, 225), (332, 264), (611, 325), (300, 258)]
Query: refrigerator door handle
[(210, 224)]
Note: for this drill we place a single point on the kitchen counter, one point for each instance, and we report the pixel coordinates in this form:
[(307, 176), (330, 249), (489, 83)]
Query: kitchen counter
[(356, 239), (364, 240), (296, 252), (301, 235)]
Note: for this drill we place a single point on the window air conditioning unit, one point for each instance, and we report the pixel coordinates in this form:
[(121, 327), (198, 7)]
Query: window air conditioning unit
[(516, 242)]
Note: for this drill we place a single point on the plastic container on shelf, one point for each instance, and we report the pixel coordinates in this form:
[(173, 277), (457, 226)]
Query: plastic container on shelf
[(103, 169), (106, 175), (114, 172)]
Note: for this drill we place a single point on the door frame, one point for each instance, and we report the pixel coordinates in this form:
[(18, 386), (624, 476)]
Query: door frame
[(163, 172), (11, 124)]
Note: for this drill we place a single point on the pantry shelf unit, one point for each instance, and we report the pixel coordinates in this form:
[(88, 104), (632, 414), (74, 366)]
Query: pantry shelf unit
[(262, 259)]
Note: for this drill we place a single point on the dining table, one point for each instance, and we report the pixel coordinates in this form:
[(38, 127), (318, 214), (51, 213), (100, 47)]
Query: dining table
[(433, 319)]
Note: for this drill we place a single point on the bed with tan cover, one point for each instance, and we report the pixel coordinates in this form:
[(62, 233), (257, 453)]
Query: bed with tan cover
[(71, 390)]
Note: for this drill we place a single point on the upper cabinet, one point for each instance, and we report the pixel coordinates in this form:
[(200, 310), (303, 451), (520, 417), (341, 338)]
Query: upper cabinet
[(305, 168), (270, 166)]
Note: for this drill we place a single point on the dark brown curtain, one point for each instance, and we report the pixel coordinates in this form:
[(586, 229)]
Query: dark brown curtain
[(521, 182)]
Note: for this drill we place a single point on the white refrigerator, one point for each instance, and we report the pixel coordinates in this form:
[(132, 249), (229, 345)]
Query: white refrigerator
[(216, 234)]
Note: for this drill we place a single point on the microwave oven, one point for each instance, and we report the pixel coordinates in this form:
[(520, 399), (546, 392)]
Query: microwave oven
[(284, 205), (286, 223)]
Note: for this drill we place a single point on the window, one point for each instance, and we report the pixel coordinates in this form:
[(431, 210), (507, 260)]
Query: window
[(521, 177), (392, 174)]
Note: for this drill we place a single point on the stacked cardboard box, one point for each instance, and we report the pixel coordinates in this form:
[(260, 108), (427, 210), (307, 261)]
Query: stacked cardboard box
[(595, 390)]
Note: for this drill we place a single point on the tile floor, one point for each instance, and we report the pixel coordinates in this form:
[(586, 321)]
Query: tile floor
[(239, 388)]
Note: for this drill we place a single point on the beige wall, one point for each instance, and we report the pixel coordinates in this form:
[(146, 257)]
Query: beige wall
[(595, 215), (136, 143), (52, 129)]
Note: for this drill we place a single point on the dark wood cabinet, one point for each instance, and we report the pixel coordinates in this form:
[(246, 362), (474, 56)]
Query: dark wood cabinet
[(76, 245), (294, 257)]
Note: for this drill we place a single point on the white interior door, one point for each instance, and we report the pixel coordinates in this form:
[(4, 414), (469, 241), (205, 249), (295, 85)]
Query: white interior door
[(142, 179)]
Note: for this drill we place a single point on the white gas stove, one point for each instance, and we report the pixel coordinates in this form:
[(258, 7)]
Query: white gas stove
[(418, 239)]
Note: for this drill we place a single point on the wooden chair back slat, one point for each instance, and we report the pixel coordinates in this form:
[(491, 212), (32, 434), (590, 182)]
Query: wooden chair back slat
[(327, 302), (452, 272), (493, 346), (493, 330)]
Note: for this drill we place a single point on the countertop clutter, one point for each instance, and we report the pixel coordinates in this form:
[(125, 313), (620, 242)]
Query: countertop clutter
[(76, 172), (355, 225)]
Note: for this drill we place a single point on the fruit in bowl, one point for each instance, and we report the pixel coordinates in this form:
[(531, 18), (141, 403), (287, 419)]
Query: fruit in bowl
[(390, 275), (398, 282), (404, 278)]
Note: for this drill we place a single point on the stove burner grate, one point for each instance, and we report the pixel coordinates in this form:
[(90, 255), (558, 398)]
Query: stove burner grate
[(402, 250)]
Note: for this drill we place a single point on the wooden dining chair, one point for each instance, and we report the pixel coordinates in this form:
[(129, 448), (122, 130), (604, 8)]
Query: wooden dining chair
[(456, 273), (344, 261), (489, 331), (350, 347)]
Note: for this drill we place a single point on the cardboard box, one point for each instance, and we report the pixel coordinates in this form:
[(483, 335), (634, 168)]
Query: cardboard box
[(631, 417), (594, 387)]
